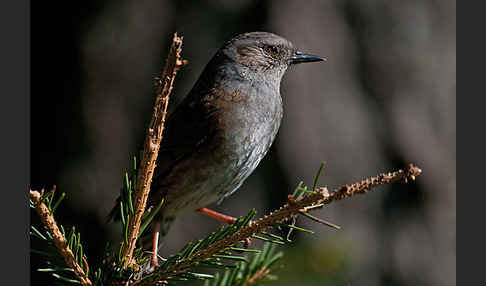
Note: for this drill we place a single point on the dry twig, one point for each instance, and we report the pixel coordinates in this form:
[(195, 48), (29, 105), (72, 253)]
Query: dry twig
[(292, 208), (164, 87), (59, 239)]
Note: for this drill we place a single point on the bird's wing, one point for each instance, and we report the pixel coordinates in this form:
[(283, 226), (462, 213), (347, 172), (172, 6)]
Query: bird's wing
[(187, 128)]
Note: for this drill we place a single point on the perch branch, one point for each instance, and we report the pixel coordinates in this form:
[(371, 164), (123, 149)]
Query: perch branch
[(286, 212), (153, 138), (59, 239)]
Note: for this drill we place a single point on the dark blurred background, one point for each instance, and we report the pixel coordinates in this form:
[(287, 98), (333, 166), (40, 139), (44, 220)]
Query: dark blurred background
[(385, 97)]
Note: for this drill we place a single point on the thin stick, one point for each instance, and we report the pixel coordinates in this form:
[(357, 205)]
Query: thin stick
[(319, 220), (164, 87), (286, 212), (59, 239)]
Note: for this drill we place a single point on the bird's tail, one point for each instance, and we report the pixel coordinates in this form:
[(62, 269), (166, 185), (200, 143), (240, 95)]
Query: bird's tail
[(165, 224), (165, 221), (114, 214), (147, 238)]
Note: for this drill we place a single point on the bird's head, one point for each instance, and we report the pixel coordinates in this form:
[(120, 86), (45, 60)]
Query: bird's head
[(265, 52)]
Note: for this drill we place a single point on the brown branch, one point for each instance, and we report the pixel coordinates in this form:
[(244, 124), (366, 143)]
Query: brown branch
[(59, 239), (286, 212), (164, 87)]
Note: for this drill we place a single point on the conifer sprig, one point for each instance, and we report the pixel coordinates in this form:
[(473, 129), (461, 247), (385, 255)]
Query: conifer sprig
[(210, 248), (68, 245), (198, 260)]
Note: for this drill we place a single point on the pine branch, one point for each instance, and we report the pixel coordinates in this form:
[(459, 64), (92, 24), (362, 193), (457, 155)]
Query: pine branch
[(59, 240), (256, 270), (310, 200), (153, 138), (208, 252)]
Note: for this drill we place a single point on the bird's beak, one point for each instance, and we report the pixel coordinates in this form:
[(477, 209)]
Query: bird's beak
[(300, 57)]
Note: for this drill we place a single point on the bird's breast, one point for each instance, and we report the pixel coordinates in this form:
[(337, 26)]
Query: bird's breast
[(248, 123), (242, 127)]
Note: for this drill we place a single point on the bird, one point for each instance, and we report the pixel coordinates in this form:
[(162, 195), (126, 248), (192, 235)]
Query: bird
[(218, 134)]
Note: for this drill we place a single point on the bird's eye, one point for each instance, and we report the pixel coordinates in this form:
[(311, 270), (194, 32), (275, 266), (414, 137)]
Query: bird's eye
[(271, 49)]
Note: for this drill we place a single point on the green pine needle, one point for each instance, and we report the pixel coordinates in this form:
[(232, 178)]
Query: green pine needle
[(299, 228), (297, 189), (316, 179), (232, 257), (66, 279), (56, 204), (268, 240), (150, 218), (245, 250)]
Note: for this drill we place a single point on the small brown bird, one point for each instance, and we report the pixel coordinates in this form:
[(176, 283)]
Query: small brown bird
[(218, 134)]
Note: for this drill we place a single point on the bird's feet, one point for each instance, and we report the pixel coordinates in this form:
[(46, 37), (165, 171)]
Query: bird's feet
[(247, 242), (216, 215), (154, 262), (224, 218)]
